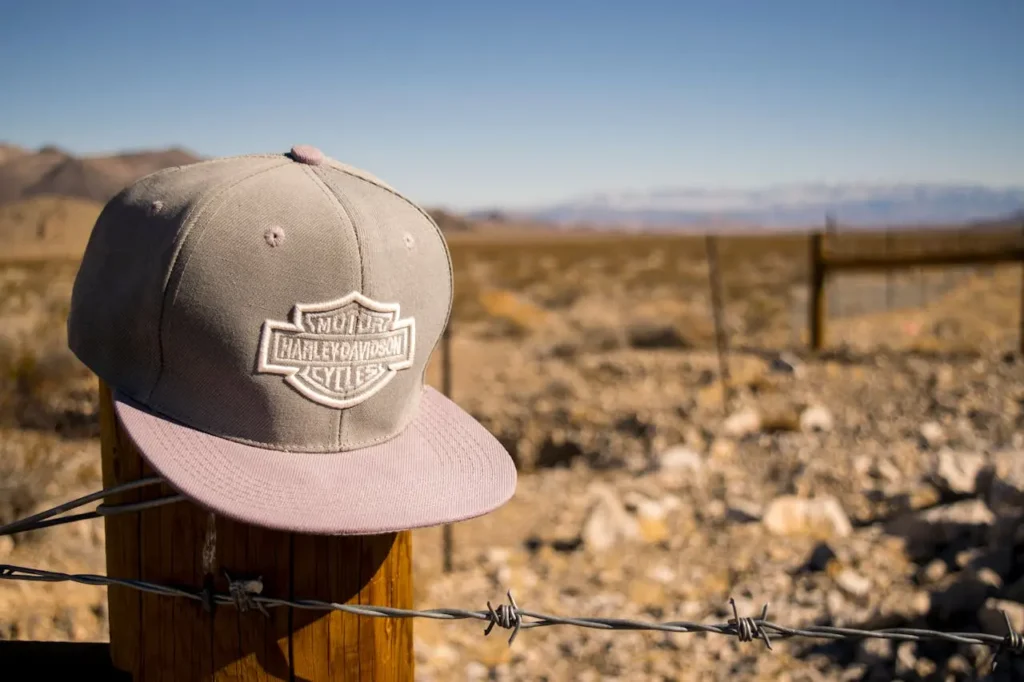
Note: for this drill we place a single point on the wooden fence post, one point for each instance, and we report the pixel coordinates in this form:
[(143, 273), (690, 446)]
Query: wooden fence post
[(816, 291), (717, 311), (172, 638)]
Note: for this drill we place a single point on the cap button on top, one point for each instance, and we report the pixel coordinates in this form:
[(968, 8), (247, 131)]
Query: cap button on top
[(307, 154)]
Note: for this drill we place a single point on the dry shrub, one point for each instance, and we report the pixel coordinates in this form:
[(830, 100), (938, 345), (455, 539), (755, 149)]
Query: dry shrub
[(517, 316), (52, 391)]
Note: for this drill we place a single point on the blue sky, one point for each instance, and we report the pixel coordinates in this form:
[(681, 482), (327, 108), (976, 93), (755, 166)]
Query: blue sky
[(516, 103)]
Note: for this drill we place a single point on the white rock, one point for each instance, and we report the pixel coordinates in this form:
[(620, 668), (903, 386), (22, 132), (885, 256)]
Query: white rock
[(820, 517), (957, 472), (644, 507), (742, 423), (853, 583), (681, 458), (816, 418), (607, 523), (661, 573), (444, 655), (498, 555), (476, 670), (885, 470), (932, 434)]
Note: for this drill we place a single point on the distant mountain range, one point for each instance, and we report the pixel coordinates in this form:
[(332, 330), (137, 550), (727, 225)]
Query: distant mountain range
[(51, 192), (786, 206), (51, 171)]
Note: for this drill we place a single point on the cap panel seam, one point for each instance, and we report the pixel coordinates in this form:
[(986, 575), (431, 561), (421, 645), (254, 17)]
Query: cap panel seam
[(343, 212), (341, 168), (201, 162), (188, 227)]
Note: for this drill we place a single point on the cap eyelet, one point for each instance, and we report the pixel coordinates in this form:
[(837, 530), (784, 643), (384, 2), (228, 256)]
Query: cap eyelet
[(274, 236)]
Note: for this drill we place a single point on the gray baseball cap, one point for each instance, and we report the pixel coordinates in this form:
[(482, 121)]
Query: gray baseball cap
[(265, 322)]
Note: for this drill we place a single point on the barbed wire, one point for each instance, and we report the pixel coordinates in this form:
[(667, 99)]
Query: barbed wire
[(248, 594)]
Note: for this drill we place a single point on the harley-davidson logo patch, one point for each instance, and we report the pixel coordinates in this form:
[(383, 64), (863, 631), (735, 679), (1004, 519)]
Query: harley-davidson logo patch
[(341, 352)]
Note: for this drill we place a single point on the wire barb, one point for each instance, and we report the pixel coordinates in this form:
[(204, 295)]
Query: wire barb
[(1012, 642), (243, 592), (506, 616), (748, 628)]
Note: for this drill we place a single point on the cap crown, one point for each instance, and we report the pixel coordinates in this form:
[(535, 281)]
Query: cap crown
[(286, 304)]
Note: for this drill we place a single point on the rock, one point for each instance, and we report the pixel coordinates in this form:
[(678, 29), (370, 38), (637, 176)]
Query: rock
[(662, 574), (743, 423), (723, 449), (926, 668), (608, 523), (931, 435), (885, 470), (820, 517), (440, 655), (957, 472), (989, 577), (906, 658), (497, 556), (853, 583), (934, 571), (992, 621), (650, 518), (816, 419), (873, 650), (681, 458), (476, 671)]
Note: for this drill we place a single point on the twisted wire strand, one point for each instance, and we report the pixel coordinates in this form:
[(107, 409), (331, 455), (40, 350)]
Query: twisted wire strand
[(246, 594), (45, 519)]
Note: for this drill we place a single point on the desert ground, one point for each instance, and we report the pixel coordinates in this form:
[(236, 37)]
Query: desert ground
[(877, 483)]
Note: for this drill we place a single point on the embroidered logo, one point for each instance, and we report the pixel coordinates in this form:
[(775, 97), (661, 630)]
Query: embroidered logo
[(341, 352)]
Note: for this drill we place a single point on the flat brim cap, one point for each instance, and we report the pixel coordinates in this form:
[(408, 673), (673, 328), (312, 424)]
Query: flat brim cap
[(265, 323), (442, 468)]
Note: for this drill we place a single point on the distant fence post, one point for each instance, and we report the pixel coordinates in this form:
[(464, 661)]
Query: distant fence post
[(448, 540), (717, 308), (816, 291), (171, 638)]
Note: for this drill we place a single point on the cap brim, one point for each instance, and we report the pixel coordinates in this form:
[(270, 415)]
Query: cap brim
[(442, 468)]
